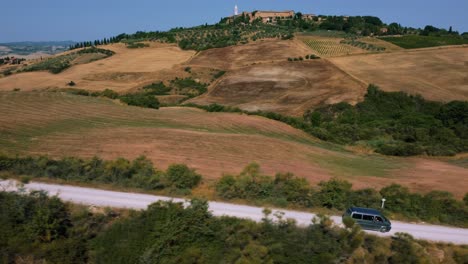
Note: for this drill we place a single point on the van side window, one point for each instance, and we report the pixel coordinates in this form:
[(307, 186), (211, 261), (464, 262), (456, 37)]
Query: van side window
[(357, 216), (378, 219), (368, 217)]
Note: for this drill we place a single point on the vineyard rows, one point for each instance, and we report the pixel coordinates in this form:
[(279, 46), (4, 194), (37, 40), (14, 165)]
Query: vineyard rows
[(329, 48)]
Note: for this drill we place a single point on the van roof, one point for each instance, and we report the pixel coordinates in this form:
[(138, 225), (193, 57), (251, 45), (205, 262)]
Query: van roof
[(365, 210)]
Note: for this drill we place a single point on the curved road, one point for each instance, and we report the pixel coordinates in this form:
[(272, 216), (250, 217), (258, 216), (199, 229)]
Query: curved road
[(98, 197)]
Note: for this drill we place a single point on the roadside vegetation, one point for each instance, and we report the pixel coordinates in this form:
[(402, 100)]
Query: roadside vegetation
[(283, 190), (39, 229), (36, 228), (139, 173)]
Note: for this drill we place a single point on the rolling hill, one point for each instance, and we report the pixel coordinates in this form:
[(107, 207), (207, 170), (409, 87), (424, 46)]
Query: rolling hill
[(59, 124)]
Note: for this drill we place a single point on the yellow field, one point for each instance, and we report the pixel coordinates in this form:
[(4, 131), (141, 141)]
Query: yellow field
[(127, 69), (437, 74)]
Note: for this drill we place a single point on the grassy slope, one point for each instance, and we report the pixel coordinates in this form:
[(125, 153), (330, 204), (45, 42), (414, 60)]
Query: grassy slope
[(214, 143)]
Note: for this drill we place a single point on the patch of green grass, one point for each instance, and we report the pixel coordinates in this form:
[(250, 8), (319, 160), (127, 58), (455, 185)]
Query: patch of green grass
[(359, 165), (459, 162), (418, 41)]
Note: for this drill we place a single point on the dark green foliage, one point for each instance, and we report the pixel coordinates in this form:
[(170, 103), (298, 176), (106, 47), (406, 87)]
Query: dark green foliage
[(106, 52), (109, 94), (189, 87), (138, 173), (168, 233), (250, 184), (219, 74), (395, 123), (421, 41), (335, 194), (465, 199), (137, 45), (405, 250), (140, 99), (157, 89), (36, 227), (435, 206), (182, 177)]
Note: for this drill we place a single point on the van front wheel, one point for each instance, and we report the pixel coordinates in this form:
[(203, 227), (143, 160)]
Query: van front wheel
[(383, 229)]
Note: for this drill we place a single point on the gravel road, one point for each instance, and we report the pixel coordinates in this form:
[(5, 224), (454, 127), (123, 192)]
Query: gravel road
[(98, 197)]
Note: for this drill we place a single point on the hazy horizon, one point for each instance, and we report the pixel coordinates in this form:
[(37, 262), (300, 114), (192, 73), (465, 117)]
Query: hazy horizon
[(53, 20)]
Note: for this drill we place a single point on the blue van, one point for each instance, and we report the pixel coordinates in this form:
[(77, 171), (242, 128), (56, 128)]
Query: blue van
[(369, 219)]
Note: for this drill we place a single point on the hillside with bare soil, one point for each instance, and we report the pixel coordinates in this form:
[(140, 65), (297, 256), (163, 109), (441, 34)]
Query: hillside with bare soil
[(289, 88)]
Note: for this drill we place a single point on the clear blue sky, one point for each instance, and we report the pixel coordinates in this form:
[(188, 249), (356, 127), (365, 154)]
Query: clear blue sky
[(92, 19)]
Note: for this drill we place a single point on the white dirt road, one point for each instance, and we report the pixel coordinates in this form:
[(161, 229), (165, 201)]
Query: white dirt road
[(96, 197)]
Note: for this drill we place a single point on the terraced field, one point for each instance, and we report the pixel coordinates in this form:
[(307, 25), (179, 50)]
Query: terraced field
[(60, 124)]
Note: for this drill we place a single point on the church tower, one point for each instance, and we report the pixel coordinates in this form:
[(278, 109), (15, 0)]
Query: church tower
[(236, 10)]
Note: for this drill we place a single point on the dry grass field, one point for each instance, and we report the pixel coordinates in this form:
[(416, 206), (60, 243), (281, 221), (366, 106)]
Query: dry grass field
[(289, 88), (59, 124), (127, 69), (263, 51), (437, 74)]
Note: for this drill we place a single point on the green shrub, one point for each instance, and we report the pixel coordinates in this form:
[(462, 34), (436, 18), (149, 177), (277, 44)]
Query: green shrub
[(219, 74), (157, 89), (142, 100), (109, 94), (137, 45), (138, 173), (182, 177), (402, 124)]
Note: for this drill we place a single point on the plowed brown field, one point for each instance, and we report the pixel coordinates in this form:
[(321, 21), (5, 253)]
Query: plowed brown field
[(289, 88)]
